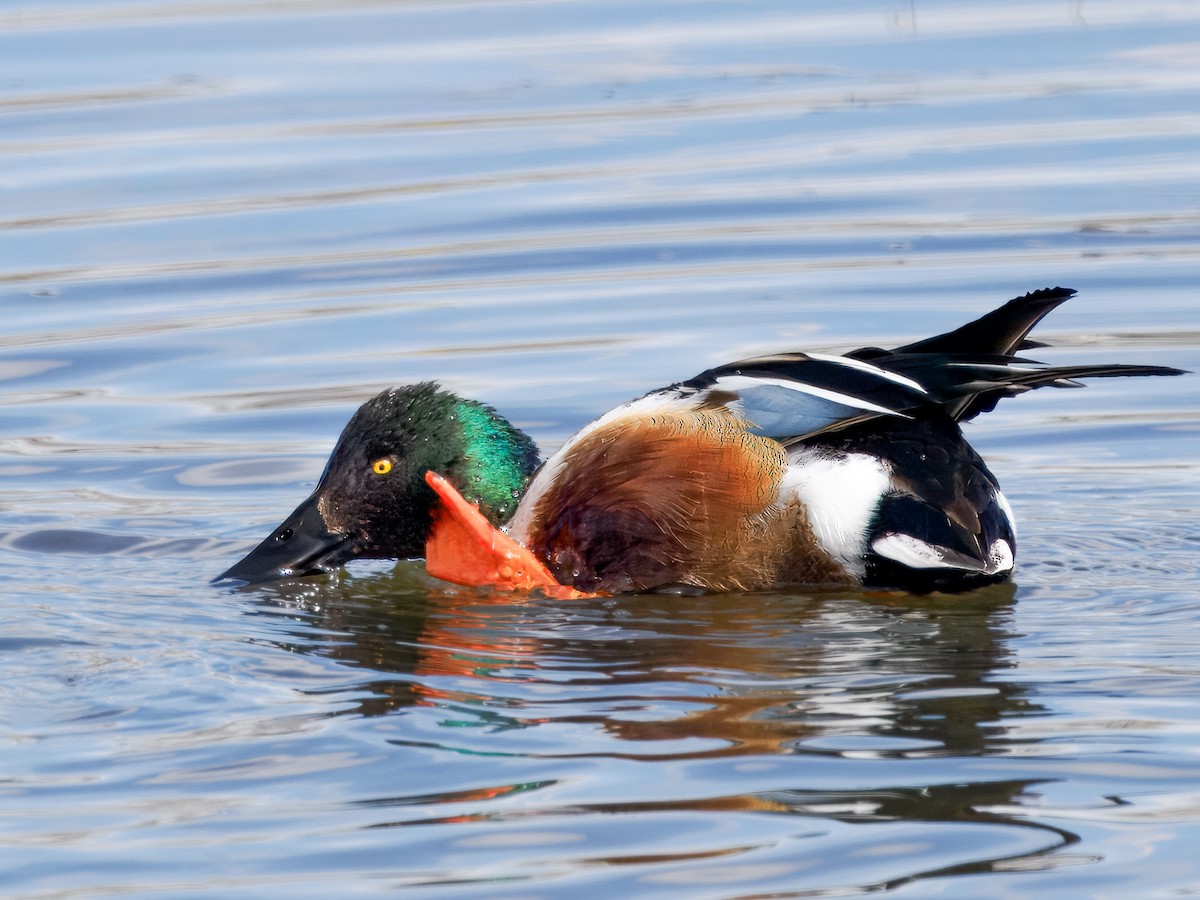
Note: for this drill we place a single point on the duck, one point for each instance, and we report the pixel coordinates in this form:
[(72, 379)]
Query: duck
[(785, 470)]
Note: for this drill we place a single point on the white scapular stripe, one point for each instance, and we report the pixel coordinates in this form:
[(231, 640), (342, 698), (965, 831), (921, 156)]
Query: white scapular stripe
[(741, 383), (864, 366), (994, 367)]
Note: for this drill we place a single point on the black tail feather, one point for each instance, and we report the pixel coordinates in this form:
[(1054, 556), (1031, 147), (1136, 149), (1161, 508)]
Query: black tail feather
[(1017, 382), (1001, 332), (960, 374), (970, 369)]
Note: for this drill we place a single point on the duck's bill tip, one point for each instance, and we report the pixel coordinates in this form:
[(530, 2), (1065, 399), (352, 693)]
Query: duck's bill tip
[(463, 547), (303, 544)]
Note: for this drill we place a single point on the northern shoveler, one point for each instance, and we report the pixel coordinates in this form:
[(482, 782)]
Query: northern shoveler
[(791, 469)]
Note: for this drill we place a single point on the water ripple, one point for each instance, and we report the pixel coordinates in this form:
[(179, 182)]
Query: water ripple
[(226, 224)]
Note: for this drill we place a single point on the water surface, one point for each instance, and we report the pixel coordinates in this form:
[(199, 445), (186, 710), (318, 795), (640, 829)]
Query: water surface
[(223, 225)]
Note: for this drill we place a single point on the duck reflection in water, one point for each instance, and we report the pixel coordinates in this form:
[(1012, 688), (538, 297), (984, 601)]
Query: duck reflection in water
[(731, 674), (665, 679)]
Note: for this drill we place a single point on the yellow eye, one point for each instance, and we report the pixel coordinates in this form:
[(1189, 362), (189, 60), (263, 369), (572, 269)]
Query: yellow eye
[(381, 466)]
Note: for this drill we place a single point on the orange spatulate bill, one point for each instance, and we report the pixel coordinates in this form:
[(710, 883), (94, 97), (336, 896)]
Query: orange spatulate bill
[(464, 547)]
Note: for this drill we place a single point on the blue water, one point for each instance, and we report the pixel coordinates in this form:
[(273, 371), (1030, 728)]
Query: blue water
[(225, 224)]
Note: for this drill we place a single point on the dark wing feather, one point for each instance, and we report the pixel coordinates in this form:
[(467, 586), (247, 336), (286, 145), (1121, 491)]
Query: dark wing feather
[(969, 370), (792, 397), (965, 385)]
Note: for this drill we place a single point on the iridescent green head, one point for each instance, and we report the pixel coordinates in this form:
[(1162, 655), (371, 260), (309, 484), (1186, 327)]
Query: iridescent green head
[(372, 500)]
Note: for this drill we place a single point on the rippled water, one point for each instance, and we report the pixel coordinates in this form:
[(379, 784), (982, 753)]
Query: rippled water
[(225, 224)]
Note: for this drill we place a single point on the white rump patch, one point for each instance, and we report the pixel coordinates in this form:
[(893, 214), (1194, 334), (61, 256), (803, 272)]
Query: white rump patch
[(841, 495)]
